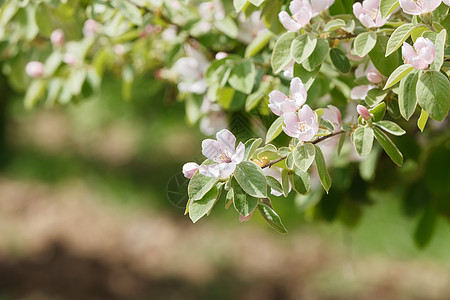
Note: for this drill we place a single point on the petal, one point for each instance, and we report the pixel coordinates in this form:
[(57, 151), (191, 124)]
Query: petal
[(226, 169), (418, 63), (357, 9), (408, 52), (288, 106), (431, 5), (211, 149), (410, 7), (239, 155), (288, 22), (276, 97), (227, 141), (189, 169), (291, 120), (333, 115), (303, 17), (306, 114), (428, 54), (291, 133), (295, 6), (210, 171), (360, 92), (298, 91), (275, 109)]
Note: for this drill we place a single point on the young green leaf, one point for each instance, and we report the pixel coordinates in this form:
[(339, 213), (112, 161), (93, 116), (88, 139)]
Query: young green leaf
[(317, 56), (271, 217), (388, 6), (302, 47), (363, 140), (304, 156), (340, 60), (390, 127), (251, 178), (200, 184), (275, 129), (378, 112), (281, 55), (324, 176), (274, 184), (441, 38), (290, 161), (407, 98), (250, 147), (334, 24), (285, 182), (375, 96), (422, 122), (244, 203), (239, 4), (386, 65), (199, 208), (433, 94), (301, 181), (242, 77), (364, 43), (398, 75), (258, 43), (388, 146), (307, 76)]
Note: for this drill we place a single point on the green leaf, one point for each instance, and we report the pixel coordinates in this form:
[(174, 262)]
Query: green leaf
[(422, 120), (200, 184), (301, 181), (250, 147), (375, 96), (364, 43), (306, 76), (378, 112), (227, 26), (407, 98), (285, 182), (441, 38), (199, 208), (271, 217), (400, 35), (130, 11), (340, 60), (35, 91), (386, 65), (317, 56), (290, 161), (363, 140), (302, 47), (242, 77), (324, 176), (390, 127), (244, 203), (425, 229), (274, 184), (255, 98), (387, 7), (334, 24), (388, 146), (304, 156), (398, 75), (251, 178), (239, 4), (258, 43), (257, 3), (275, 129), (281, 55), (433, 94)]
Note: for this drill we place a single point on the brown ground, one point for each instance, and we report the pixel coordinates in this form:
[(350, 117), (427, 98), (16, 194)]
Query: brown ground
[(66, 242)]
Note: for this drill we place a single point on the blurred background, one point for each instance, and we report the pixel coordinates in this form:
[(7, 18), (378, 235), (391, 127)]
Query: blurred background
[(91, 207)]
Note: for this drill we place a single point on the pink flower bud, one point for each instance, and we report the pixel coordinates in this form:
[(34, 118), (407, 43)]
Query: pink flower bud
[(189, 169), (70, 59), (90, 28), (363, 112), (422, 55), (57, 38), (374, 76), (35, 69), (221, 55)]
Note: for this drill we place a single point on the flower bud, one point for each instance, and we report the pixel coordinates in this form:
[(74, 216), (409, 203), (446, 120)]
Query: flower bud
[(90, 28), (70, 59), (119, 49), (189, 169), (57, 38), (35, 69), (374, 76), (363, 112), (221, 55)]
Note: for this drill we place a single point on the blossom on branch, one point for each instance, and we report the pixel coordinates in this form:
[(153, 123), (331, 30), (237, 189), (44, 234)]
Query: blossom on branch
[(223, 153), (302, 125), (34, 69), (368, 13), (418, 7), (422, 55), (302, 12), (280, 104)]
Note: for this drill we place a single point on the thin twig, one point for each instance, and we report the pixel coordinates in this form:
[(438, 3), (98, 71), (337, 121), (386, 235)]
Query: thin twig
[(321, 139)]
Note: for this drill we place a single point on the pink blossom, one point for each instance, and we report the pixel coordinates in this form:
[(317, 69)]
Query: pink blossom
[(189, 169), (302, 12), (223, 153), (369, 13), (302, 125), (363, 112), (57, 38), (250, 27), (320, 5), (70, 59), (423, 53), (280, 104), (275, 172), (370, 72), (90, 28), (360, 92), (245, 219), (119, 49), (221, 55), (418, 7), (191, 70), (333, 115), (35, 69)]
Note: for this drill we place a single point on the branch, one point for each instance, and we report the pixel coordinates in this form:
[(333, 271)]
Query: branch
[(321, 139)]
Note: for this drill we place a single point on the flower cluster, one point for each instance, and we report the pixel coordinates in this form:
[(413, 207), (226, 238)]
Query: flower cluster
[(302, 13)]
